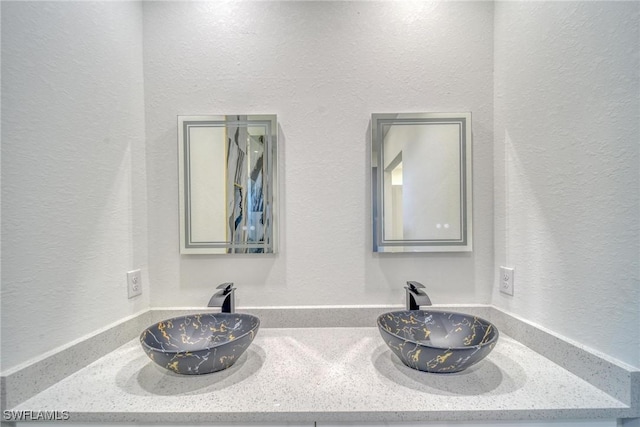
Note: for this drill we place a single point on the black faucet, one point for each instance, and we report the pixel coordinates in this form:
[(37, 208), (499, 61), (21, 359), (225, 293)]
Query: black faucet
[(224, 298), (415, 296)]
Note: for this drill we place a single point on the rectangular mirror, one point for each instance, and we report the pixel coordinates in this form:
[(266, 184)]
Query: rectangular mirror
[(421, 182), (227, 168)]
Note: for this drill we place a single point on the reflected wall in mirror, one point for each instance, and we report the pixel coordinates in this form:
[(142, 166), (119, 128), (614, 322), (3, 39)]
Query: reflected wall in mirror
[(421, 182), (227, 184)]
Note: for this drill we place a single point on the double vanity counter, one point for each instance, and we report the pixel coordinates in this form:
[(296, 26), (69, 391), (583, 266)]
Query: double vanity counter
[(322, 372)]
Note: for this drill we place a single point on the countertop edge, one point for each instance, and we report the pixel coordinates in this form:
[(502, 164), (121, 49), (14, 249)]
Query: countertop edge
[(347, 416)]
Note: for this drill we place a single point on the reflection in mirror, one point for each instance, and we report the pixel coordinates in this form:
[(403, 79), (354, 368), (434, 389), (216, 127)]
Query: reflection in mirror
[(421, 182), (227, 184)]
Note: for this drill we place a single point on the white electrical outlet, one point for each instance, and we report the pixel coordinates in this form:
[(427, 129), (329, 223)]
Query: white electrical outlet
[(506, 280), (134, 283)]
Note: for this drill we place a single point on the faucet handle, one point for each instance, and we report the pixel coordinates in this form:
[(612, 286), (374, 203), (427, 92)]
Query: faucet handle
[(226, 287), (414, 286)]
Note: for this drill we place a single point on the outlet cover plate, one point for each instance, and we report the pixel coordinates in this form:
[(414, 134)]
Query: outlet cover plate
[(506, 280), (134, 283)]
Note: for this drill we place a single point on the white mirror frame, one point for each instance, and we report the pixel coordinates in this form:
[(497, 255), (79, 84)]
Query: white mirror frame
[(464, 241)]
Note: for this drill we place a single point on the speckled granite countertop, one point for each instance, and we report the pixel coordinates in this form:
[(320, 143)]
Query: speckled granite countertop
[(325, 374)]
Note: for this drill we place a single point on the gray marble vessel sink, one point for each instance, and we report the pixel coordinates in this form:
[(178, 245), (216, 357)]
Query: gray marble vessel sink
[(437, 341), (199, 343)]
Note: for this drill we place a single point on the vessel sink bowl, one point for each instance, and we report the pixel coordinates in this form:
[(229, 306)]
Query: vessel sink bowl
[(199, 343), (437, 341)]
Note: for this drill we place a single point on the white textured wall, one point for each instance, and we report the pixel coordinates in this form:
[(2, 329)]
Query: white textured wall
[(73, 170), (567, 132), (75, 176), (323, 67)]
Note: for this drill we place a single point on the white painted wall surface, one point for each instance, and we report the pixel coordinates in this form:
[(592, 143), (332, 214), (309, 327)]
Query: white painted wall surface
[(567, 132), (74, 203), (323, 68), (73, 171)]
